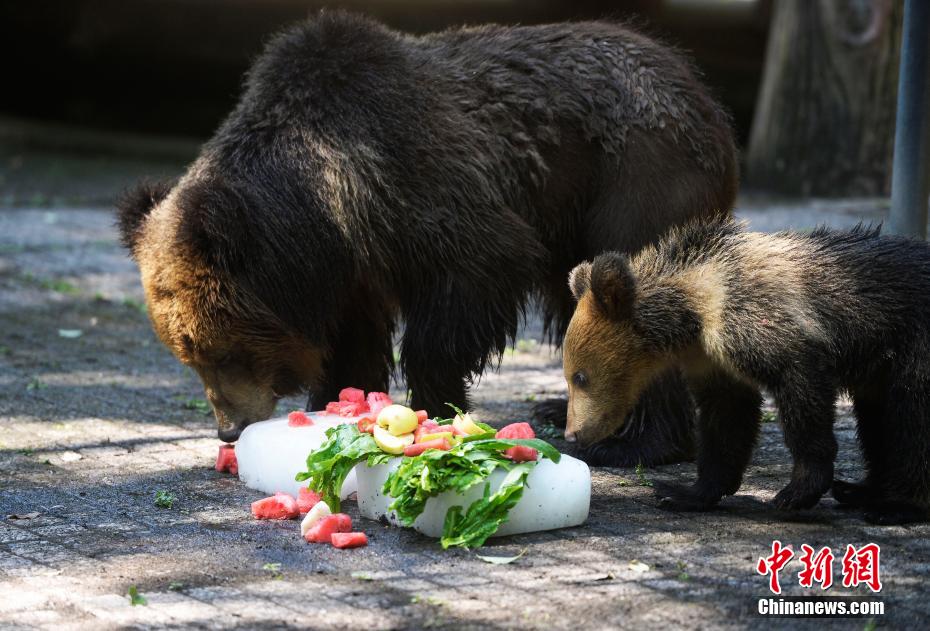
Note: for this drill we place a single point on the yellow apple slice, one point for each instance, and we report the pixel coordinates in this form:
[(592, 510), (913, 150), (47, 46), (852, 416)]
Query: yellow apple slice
[(398, 419), (389, 442)]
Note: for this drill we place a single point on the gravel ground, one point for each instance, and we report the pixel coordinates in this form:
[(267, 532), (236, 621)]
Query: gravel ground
[(95, 417)]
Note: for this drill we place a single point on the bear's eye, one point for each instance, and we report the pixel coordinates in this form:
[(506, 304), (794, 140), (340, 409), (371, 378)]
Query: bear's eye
[(580, 379)]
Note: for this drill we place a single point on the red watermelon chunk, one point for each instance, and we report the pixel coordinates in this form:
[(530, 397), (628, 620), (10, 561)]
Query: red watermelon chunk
[(344, 540), (518, 430), (352, 395), (306, 499), (226, 459), (298, 419), (334, 407), (353, 409), (422, 416), (322, 531), (377, 401), (278, 506)]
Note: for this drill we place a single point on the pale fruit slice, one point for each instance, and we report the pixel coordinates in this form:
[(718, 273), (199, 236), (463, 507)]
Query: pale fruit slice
[(315, 514), (435, 436), (389, 442), (466, 424), (398, 419)]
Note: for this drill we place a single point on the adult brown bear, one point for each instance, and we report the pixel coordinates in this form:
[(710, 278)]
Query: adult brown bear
[(368, 177)]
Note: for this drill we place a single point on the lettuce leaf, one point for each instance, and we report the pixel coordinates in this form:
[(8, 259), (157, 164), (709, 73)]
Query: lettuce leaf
[(469, 463), (328, 466), (485, 516)]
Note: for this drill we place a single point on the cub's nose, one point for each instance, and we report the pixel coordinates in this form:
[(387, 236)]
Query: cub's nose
[(229, 434), (570, 436)]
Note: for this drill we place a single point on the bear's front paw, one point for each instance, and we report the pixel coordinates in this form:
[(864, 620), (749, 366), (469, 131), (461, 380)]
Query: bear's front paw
[(675, 497), (798, 495), (551, 412), (854, 494), (890, 513)]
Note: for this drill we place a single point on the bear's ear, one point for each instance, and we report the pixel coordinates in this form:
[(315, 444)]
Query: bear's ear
[(613, 285), (579, 280), (134, 205), (214, 221)]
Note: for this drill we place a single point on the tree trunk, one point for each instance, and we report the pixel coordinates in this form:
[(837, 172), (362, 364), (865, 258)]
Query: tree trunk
[(824, 121)]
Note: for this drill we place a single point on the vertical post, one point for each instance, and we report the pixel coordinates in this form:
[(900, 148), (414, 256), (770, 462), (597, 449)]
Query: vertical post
[(910, 179)]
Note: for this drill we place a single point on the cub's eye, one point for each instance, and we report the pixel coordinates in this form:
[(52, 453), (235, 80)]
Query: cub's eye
[(580, 379)]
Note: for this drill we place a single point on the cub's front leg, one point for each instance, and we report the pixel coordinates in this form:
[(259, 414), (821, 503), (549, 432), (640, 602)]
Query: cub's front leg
[(729, 414), (805, 401)]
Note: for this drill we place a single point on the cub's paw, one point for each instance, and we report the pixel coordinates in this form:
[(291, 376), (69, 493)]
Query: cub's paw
[(798, 495), (679, 498), (856, 494), (551, 411), (889, 513)]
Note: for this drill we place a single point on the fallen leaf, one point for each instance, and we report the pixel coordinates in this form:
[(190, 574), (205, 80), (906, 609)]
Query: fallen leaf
[(23, 515), (500, 560), (638, 566), (70, 456), (70, 333)]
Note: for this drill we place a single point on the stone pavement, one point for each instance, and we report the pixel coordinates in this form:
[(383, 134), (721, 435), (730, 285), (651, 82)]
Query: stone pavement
[(96, 417)]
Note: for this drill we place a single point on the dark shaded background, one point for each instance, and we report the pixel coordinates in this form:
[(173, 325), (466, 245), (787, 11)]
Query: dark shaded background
[(173, 67)]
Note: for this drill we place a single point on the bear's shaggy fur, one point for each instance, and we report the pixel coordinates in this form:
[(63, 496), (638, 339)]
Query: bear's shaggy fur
[(803, 315), (368, 177)]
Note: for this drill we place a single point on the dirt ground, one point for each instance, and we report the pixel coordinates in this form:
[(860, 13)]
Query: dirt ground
[(96, 417)]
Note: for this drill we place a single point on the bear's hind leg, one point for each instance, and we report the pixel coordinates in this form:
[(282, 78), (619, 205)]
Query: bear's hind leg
[(729, 415), (806, 401), (904, 472)]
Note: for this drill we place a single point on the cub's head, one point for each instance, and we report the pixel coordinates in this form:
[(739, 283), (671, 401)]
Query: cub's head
[(620, 338), (204, 302)]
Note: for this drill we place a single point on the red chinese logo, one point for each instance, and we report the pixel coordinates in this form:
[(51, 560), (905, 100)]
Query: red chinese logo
[(773, 564), (860, 566), (817, 568)]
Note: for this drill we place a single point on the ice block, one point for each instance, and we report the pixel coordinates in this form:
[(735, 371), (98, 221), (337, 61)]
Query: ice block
[(270, 453), (555, 496)]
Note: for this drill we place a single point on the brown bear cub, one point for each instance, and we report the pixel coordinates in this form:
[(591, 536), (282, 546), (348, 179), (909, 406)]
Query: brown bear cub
[(802, 315)]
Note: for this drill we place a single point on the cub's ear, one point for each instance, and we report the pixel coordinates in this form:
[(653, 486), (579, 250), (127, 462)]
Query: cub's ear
[(613, 285), (133, 207), (579, 280)]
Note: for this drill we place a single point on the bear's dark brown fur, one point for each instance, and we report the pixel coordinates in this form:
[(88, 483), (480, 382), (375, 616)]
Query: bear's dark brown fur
[(368, 177), (803, 315)]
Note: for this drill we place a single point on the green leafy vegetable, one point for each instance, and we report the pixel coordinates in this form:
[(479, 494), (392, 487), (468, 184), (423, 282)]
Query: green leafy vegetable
[(469, 463), (328, 466), (485, 516), (135, 598)]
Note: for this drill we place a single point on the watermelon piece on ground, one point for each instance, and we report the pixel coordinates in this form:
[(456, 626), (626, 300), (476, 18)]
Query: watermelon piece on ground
[(322, 531), (519, 430), (278, 506), (226, 459), (422, 416), (297, 418), (344, 540), (377, 401), (353, 395), (306, 499), (333, 407)]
